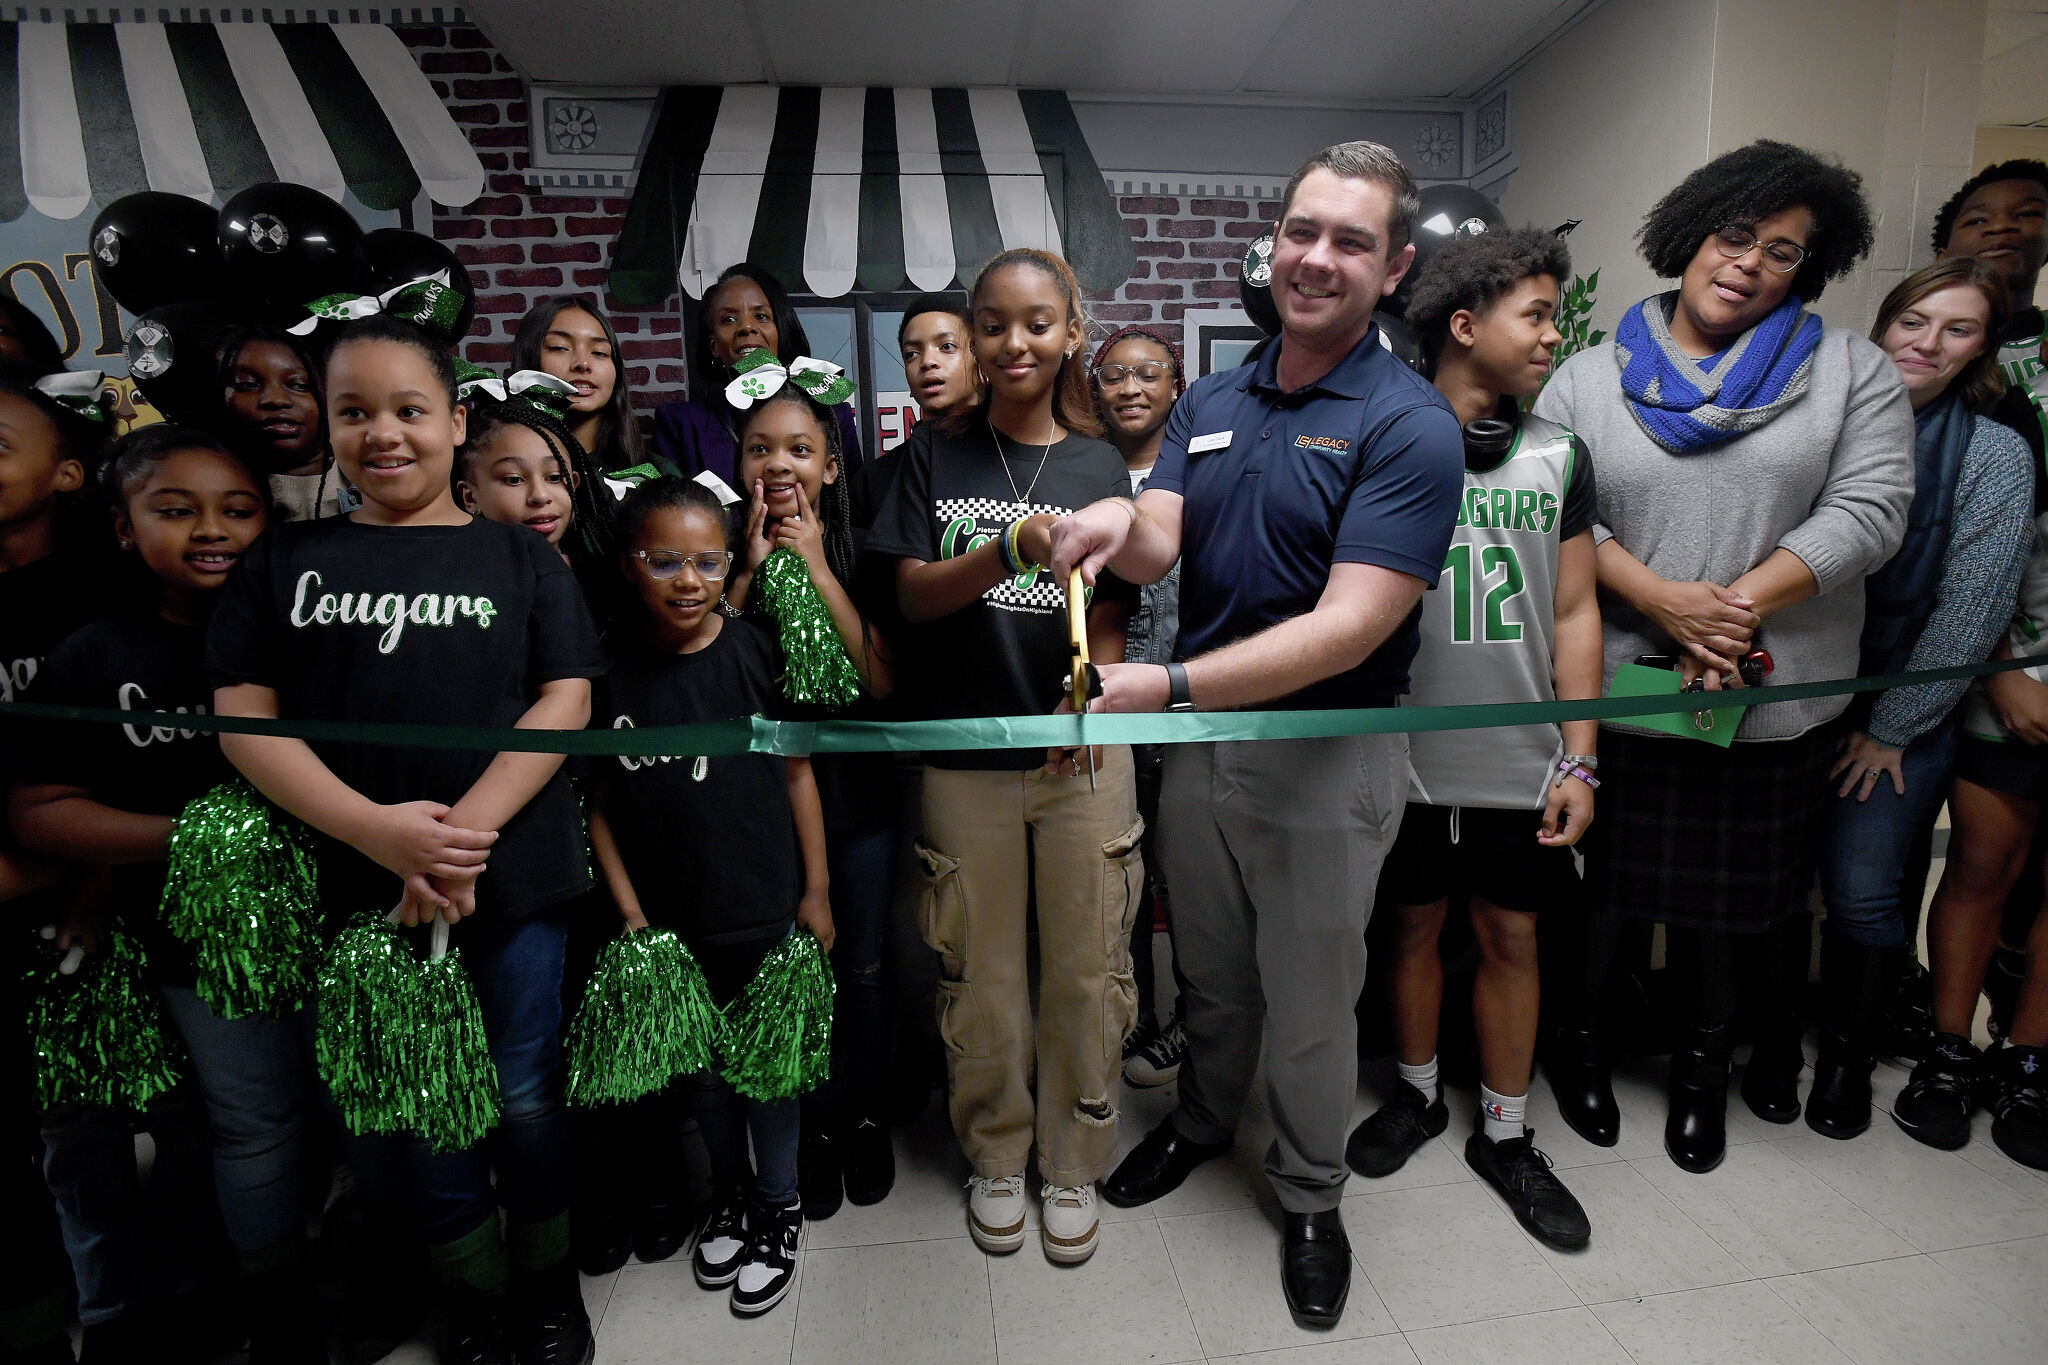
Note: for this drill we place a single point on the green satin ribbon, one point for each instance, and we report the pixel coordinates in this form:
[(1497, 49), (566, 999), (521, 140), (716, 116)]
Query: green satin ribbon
[(755, 734)]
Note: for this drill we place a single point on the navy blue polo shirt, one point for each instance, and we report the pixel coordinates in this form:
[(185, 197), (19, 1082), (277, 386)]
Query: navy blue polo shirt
[(1364, 466)]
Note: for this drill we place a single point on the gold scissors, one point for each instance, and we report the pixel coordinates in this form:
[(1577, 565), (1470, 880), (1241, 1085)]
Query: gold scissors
[(1084, 680)]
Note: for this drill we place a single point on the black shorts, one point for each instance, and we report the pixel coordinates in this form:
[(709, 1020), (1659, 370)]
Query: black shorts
[(2006, 766), (1495, 857)]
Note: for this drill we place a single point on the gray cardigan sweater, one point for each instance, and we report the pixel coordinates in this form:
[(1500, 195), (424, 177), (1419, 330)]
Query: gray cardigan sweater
[(1829, 479)]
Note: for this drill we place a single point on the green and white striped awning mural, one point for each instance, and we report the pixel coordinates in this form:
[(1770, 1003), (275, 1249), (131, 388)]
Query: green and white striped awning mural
[(92, 111), (840, 188)]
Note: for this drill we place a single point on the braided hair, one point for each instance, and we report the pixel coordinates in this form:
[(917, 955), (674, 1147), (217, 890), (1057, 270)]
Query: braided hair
[(835, 504), (593, 512)]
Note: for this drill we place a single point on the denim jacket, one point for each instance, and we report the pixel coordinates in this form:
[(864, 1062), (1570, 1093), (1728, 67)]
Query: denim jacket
[(1155, 622)]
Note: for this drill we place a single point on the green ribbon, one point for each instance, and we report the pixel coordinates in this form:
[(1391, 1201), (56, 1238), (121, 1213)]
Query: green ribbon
[(755, 734)]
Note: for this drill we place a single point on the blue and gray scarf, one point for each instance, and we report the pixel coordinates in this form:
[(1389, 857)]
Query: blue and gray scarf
[(1685, 408)]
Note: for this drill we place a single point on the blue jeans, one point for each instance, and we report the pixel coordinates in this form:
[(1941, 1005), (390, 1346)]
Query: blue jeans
[(131, 1243), (863, 870), (727, 1119), (258, 1080), (516, 968), (1864, 853)]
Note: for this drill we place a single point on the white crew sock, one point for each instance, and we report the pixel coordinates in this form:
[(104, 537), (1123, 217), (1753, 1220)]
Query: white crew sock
[(1422, 1077), (1502, 1115)]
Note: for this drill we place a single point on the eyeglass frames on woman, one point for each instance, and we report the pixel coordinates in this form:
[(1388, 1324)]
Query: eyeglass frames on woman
[(1735, 242), (666, 564), (1147, 372)]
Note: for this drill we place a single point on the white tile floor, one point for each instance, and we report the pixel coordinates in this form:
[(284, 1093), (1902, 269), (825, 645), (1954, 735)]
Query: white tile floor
[(1797, 1249)]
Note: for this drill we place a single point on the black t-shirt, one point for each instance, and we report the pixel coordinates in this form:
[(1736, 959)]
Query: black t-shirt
[(424, 625), (709, 842), (40, 604), (131, 662), (1006, 655)]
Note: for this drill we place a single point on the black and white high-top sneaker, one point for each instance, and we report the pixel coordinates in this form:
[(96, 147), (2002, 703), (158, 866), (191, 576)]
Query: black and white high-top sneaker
[(769, 1267), (723, 1243)]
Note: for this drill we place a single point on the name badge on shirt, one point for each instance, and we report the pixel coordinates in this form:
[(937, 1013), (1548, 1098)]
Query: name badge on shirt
[(1215, 440)]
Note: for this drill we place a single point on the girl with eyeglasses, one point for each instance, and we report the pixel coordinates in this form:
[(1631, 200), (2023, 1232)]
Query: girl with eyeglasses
[(1755, 467), (727, 851)]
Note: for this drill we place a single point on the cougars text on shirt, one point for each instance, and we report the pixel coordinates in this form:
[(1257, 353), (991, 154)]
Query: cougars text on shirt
[(392, 610)]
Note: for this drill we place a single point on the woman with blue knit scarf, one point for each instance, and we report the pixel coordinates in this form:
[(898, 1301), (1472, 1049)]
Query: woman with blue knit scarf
[(1762, 464)]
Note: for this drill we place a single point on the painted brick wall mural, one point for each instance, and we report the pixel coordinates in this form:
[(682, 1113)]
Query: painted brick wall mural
[(521, 242)]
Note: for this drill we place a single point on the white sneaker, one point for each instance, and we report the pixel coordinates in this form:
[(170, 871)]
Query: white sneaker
[(1070, 1223), (995, 1212)]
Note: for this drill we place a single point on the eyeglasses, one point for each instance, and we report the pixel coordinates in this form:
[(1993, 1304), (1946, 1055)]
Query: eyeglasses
[(666, 564), (1736, 240), (1146, 371)]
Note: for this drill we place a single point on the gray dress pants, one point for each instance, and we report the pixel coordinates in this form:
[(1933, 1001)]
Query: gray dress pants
[(1273, 850)]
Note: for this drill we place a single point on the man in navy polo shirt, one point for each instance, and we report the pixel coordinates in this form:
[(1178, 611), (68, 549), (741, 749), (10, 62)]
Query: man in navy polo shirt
[(1310, 498)]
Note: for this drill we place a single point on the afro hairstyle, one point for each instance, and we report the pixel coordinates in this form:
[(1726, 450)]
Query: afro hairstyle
[(1750, 184), (1475, 272), (2018, 169)]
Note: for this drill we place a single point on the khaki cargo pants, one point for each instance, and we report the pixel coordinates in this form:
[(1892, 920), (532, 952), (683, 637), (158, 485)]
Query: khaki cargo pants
[(989, 837)]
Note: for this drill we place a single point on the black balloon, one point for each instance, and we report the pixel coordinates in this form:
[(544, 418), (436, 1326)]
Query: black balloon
[(286, 245), (153, 248), (1255, 285), (1446, 211), (399, 257), (1401, 342), (170, 357)]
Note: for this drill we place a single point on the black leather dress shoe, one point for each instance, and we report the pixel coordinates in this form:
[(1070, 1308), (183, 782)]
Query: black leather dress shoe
[(1315, 1268), (1156, 1166)]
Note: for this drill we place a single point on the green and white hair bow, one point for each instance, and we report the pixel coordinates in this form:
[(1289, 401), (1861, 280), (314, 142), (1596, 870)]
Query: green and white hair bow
[(431, 303), (535, 388), (760, 374), (78, 390)]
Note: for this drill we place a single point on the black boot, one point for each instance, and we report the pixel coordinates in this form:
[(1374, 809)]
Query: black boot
[(476, 1328), (1770, 1083), (1583, 1081), (1858, 981), (870, 1155), (284, 1317), (549, 1325), (820, 1164), (1696, 1127)]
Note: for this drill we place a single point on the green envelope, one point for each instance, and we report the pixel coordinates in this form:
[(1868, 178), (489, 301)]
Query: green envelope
[(1639, 680)]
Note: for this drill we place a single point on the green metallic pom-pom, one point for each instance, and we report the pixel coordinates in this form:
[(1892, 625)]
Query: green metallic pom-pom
[(778, 1034), (401, 1043), (99, 1034), (455, 1083), (815, 667), (359, 1045), (240, 889), (646, 1018)]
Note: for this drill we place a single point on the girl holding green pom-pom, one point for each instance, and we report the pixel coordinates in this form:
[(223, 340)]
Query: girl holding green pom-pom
[(727, 851), (411, 610), (101, 795), (789, 461)]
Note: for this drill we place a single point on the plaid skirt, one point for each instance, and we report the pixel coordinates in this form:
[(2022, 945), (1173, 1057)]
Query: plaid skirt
[(1708, 838)]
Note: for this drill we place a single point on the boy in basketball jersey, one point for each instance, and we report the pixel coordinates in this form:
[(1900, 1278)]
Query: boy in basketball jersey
[(1492, 813)]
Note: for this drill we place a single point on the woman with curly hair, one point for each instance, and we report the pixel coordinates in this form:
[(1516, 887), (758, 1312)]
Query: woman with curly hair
[(1755, 467)]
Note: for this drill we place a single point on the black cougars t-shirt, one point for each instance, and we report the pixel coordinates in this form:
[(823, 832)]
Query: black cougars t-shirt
[(709, 842), (422, 625), (131, 663), (1006, 655)]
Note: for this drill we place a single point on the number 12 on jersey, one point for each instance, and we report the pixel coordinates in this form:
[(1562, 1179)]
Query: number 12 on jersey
[(1495, 627)]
